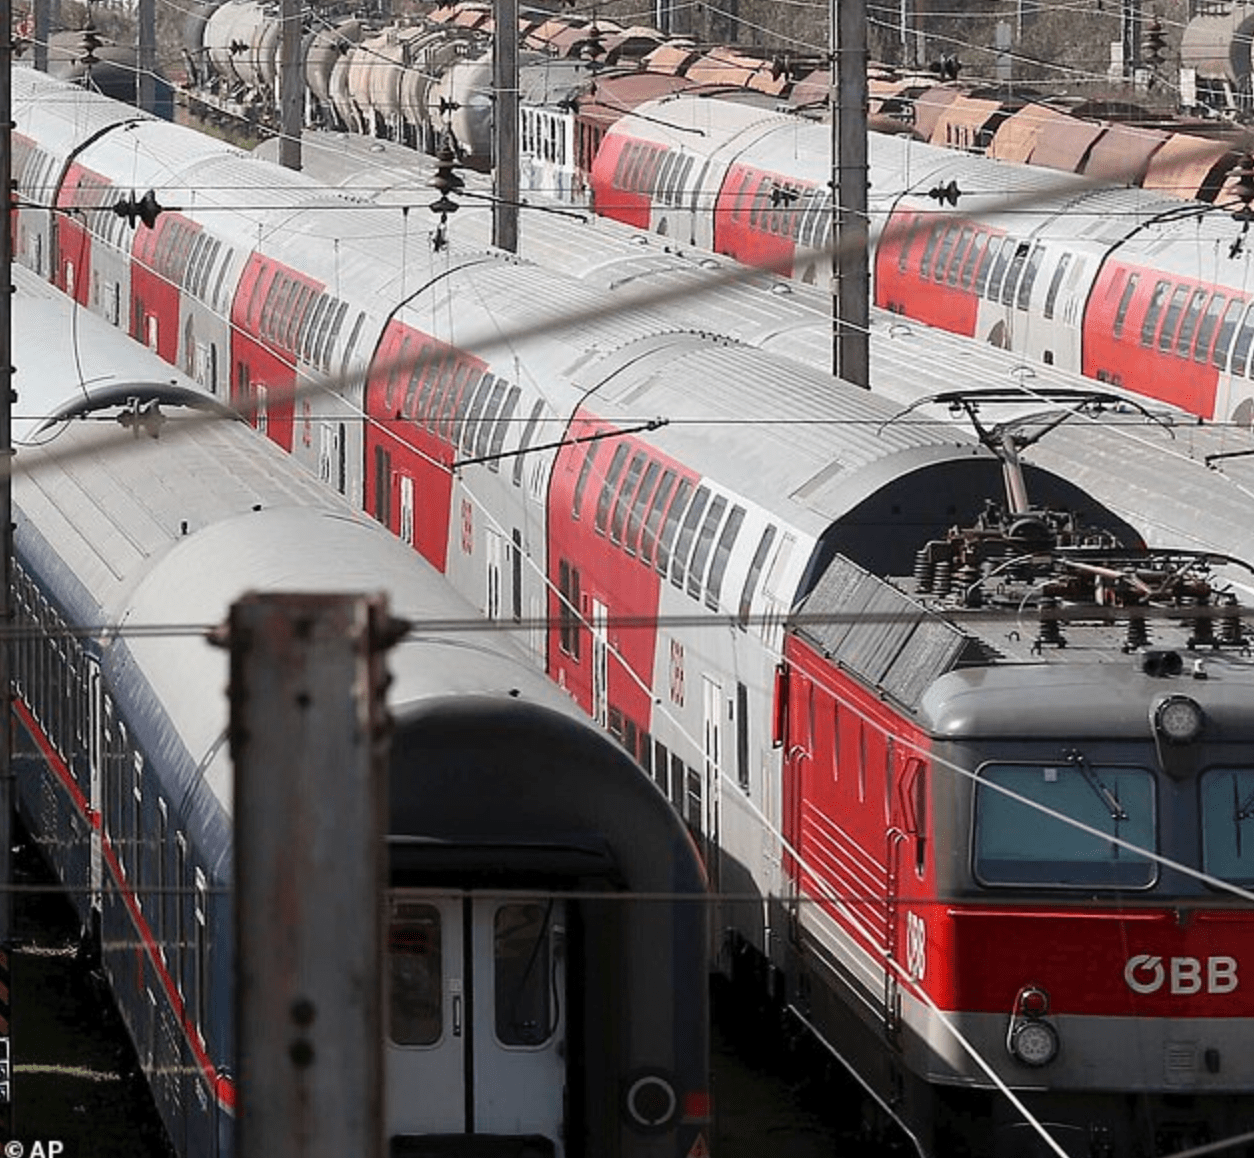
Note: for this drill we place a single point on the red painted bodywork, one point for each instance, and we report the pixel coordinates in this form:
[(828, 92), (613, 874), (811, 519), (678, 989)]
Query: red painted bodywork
[(258, 359), (81, 189), (608, 572), (157, 273), (860, 843), (623, 196), (1118, 355), (406, 437), (901, 287), (745, 227)]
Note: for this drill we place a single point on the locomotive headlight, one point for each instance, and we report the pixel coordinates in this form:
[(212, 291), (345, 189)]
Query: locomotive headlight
[(1178, 719), (1034, 1043)]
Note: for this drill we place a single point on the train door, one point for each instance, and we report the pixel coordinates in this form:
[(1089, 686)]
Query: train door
[(476, 1001), (600, 662), (496, 561)]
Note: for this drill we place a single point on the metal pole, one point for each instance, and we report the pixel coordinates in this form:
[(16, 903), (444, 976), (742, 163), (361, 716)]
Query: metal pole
[(6, 548), (505, 126), (6, 481), (146, 89), (291, 85), (310, 806), (851, 283)]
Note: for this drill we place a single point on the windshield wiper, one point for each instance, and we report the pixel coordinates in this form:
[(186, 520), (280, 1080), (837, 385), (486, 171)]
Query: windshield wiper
[(1103, 793), (1240, 811)]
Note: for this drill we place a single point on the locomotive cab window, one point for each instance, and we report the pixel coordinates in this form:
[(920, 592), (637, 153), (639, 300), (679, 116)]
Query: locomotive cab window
[(1019, 840), (1227, 809)]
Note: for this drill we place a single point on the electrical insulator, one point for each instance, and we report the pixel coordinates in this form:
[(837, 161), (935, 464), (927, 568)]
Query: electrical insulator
[(446, 181), (1154, 42), (593, 49), (943, 193), (1242, 188), (145, 210), (89, 42)]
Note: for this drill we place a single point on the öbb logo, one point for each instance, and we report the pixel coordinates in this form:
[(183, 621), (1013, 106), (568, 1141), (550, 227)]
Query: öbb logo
[(1145, 973)]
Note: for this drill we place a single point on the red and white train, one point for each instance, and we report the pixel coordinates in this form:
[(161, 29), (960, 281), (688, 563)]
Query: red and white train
[(1123, 285), (701, 535)]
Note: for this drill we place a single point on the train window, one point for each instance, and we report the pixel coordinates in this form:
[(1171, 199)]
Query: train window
[(666, 175), (620, 169), (322, 337), (909, 233), (1028, 280), (701, 549), (483, 437), (460, 384), (677, 783), (468, 407), (636, 518), (334, 335), (503, 421), (581, 484), (268, 303), (726, 540), (944, 253), (160, 853), (1241, 346), (529, 431), (929, 248), (351, 344), (1171, 319), (670, 526), (998, 273), (694, 810), (995, 244), (137, 801), (1020, 841), (1206, 328), (391, 395), (686, 532), (1125, 299), (217, 288), (610, 487), (180, 910), (415, 975), (626, 495), (972, 259), (751, 578), (316, 316), (1188, 326), (425, 382), (297, 316), (1227, 327), (742, 735), (653, 517), (1150, 325), (202, 954), (661, 764), (478, 399), (523, 973), (1227, 800), (761, 204), (955, 264), (568, 608), (1014, 273), (516, 575)]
